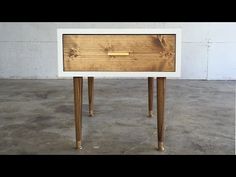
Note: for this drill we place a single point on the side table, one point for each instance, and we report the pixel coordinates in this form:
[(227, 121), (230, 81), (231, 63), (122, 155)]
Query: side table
[(149, 53)]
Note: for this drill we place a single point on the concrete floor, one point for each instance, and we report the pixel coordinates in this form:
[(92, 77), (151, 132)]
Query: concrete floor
[(36, 117)]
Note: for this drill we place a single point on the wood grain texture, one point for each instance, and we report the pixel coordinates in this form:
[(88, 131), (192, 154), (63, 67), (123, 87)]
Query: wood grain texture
[(146, 52), (150, 96), (161, 84), (78, 99), (91, 95)]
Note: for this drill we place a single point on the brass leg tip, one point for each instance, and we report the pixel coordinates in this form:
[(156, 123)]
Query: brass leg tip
[(78, 145), (150, 114), (160, 146), (91, 114)]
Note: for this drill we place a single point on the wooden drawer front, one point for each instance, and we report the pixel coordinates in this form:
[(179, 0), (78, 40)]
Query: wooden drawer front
[(118, 52)]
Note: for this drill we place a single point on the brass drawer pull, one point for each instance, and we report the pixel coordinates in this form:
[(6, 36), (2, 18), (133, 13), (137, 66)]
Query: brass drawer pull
[(118, 53)]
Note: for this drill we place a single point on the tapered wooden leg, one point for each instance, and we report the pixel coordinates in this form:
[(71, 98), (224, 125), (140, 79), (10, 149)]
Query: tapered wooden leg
[(161, 82), (91, 95), (150, 96), (78, 100)]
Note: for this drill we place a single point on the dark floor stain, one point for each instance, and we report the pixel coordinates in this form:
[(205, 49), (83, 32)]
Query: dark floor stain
[(126, 124), (9, 109), (41, 118), (219, 124), (64, 109), (9, 118), (186, 132), (43, 94), (14, 94), (197, 146), (40, 122), (194, 96)]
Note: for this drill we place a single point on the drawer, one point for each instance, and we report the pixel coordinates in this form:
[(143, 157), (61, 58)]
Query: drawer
[(119, 52)]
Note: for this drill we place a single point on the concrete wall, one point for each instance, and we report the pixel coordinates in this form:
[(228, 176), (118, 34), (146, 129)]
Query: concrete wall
[(29, 50)]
